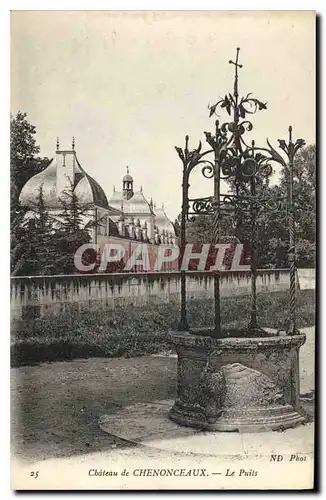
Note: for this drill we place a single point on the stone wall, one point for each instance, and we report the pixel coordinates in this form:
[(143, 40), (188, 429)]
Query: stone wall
[(32, 297)]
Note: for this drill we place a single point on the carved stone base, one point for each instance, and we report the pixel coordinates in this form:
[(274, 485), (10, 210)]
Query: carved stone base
[(249, 420), (237, 384)]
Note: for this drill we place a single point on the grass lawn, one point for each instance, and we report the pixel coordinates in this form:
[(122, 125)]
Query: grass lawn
[(130, 331)]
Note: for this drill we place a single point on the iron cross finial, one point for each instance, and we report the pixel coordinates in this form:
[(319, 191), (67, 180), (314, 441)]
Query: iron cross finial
[(237, 65)]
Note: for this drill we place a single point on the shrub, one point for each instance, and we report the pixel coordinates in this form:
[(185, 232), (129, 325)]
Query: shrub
[(131, 331)]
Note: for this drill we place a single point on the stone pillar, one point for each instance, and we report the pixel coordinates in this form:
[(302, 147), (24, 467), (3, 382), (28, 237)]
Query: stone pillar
[(121, 226), (156, 236), (138, 230), (151, 228), (145, 231), (131, 229)]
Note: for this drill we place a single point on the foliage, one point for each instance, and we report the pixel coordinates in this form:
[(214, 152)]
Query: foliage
[(18, 238), (34, 253), (24, 159), (272, 229), (304, 201), (24, 163), (72, 230), (177, 227), (199, 230), (128, 331)]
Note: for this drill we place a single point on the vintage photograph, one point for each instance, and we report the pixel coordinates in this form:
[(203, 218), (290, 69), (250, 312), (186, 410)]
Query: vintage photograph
[(163, 250)]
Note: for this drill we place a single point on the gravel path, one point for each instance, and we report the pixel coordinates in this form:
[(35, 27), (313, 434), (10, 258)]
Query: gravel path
[(56, 406)]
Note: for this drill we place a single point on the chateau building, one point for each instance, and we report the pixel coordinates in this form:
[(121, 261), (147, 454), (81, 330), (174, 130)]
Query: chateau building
[(139, 215), (127, 214)]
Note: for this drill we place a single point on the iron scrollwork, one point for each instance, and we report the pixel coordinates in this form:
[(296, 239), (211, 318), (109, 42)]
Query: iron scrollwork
[(248, 166), (201, 206)]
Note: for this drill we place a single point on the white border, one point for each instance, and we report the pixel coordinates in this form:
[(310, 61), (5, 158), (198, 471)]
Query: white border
[(318, 6)]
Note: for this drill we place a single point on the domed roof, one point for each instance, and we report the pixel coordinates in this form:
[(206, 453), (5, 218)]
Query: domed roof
[(116, 199), (99, 197), (48, 180), (116, 195), (86, 187), (127, 177), (139, 199), (83, 191), (163, 222), (137, 204)]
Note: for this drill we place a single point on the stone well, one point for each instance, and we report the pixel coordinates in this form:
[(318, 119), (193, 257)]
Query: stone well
[(237, 383)]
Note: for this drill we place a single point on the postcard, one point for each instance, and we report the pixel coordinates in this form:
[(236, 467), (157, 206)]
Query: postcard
[(163, 241)]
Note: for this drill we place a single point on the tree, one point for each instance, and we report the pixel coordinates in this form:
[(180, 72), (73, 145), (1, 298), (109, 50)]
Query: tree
[(24, 163), (176, 226), (199, 230), (304, 194), (272, 229), (276, 243), (24, 159), (33, 252), (74, 224)]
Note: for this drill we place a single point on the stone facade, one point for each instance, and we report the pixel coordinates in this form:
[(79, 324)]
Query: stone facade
[(140, 216)]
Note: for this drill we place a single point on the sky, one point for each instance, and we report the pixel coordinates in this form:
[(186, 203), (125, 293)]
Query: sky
[(129, 86)]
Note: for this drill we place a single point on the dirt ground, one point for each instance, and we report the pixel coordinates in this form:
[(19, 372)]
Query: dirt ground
[(56, 406)]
